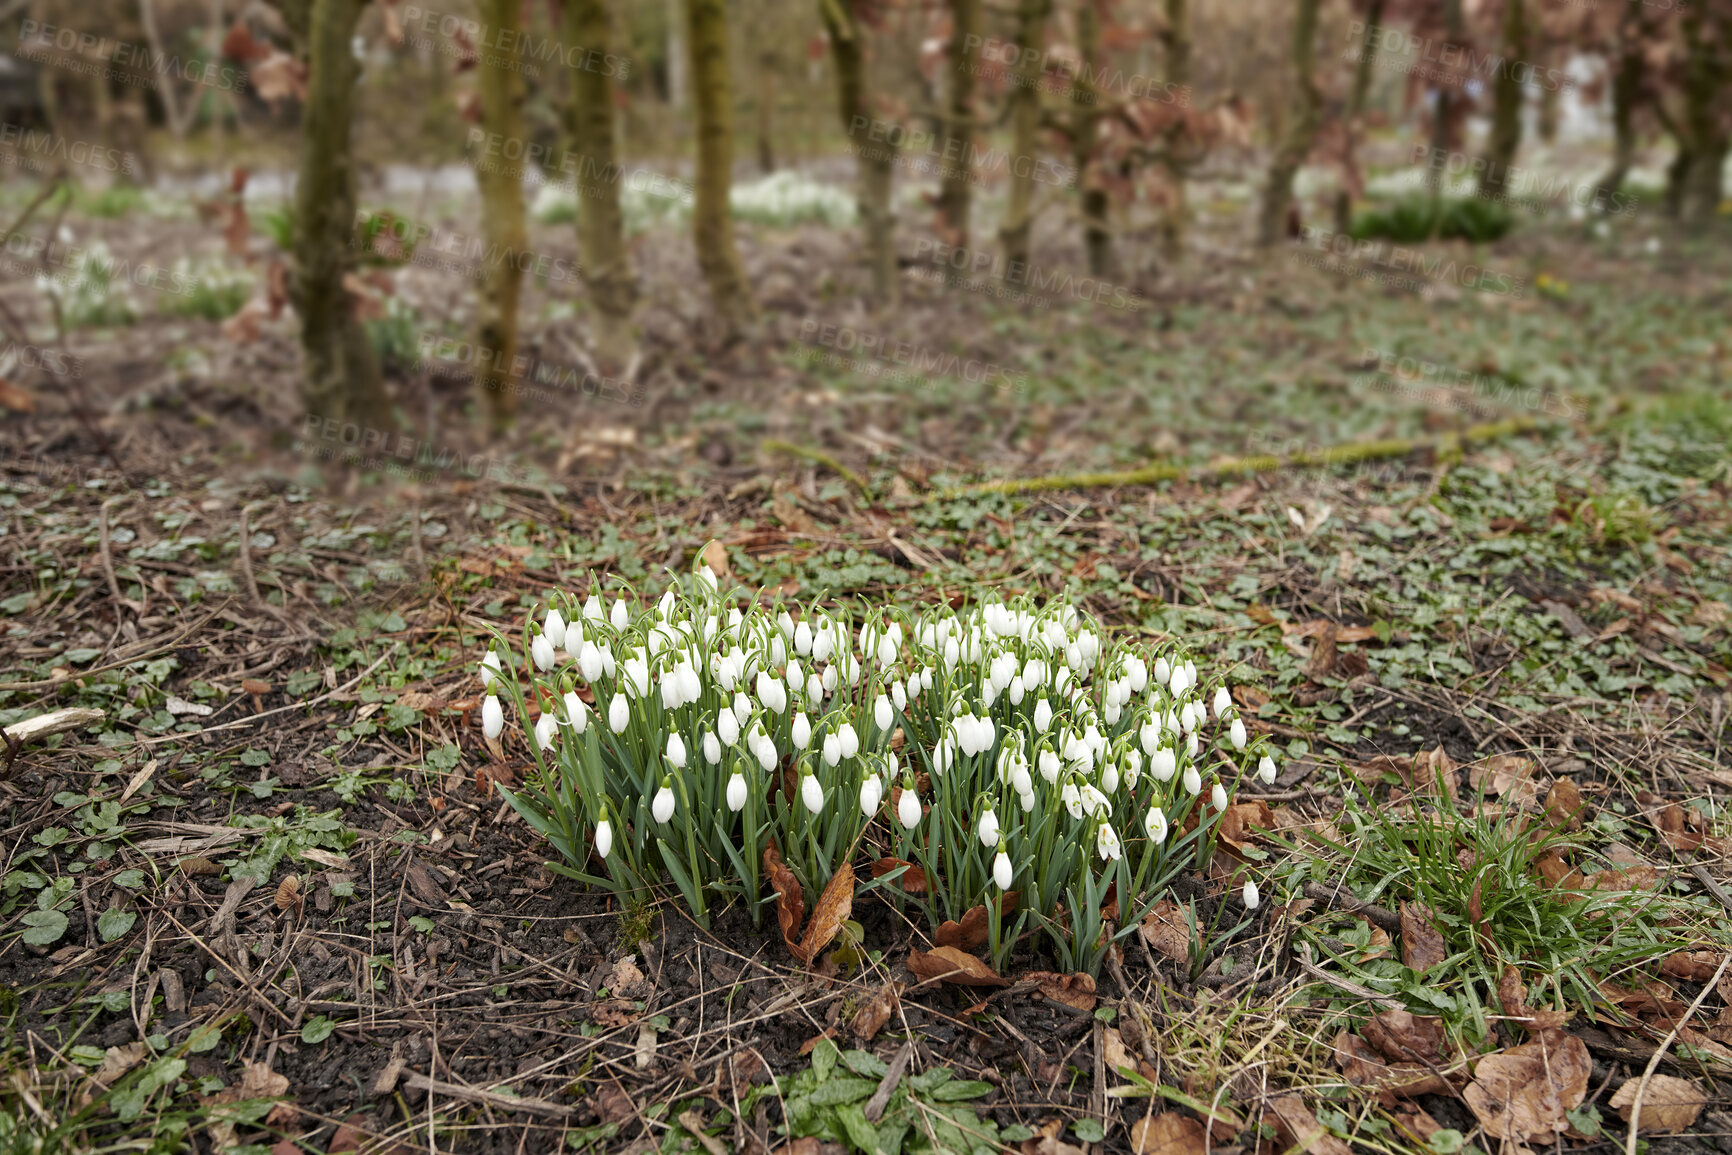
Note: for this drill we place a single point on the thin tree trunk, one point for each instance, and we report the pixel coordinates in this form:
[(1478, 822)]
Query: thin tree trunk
[(1626, 87), (502, 214), (1706, 67), (713, 225), (1177, 37), (956, 160), (766, 111), (1301, 131), (1085, 120), (1025, 129), (1551, 95), (874, 159), (1356, 99), (676, 72), (589, 125), (177, 123), (1443, 116), (1507, 94), (341, 379)]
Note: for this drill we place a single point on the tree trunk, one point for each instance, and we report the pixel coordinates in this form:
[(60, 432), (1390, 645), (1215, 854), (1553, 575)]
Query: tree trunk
[(1085, 121), (341, 379), (1177, 37), (766, 111), (1356, 99), (956, 163), (1706, 67), (1626, 87), (1506, 113), (600, 226), (502, 214), (1551, 95), (1443, 116), (1025, 130), (676, 71), (1301, 131), (713, 225), (874, 160)]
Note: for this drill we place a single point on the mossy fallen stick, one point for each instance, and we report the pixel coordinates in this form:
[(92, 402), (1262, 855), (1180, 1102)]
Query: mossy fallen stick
[(819, 457), (1445, 445)]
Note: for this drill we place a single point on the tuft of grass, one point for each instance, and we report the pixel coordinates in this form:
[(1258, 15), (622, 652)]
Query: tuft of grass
[(1423, 218), (636, 922)]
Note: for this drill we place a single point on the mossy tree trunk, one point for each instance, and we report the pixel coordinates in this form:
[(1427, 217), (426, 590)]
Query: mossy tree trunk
[(956, 156), (1507, 95), (502, 212), (1707, 64), (766, 119), (1176, 37), (1445, 114), (874, 160), (1085, 134), (1301, 130), (1018, 223), (589, 125), (1629, 73), (341, 379), (1356, 98), (713, 225)]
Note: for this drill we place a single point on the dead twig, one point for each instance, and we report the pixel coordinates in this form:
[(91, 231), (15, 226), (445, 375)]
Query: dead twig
[(1660, 1051), (880, 1099)]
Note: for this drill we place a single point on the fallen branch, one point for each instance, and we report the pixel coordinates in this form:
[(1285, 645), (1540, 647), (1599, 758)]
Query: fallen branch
[(1343, 900), (42, 726), (1444, 445), (819, 457), (419, 1082)]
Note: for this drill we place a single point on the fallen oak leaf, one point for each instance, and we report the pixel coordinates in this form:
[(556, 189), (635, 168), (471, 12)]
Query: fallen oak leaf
[(1075, 991), (950, 965), (834, 907), (1696, 966), (1527, 1092), (1168, 1133), (1362, 1066), (1670, 1104), (1164, 928), (975, 928)]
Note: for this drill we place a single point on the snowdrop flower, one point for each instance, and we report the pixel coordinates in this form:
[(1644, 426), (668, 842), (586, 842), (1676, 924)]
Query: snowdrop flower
[(871, 794), (800, 731), (1049, 766), (1072, 799), (1162, 672), (546, 730), (803, 639), (662, 808), (926, 678), (824, 644), (604, 835), (1025, 798), (592, 609), (829, 680), (1193, 781), (1218, 796), (666, 605), (1223, 702), (882, 713), (742, 707), (676, 751), (1266, 770), (1107, 843), (728, 728), (542, 651), (589, 662), (1137, 671), (576, 713), (785, 622), (1109, 777), (492, 717), (1237, 733), (832, 750), (988, 828), (1155, 825), (1192, 744), (489, 670), (636, 676), (1250, 895), (771, 692), (1093, 800), (814, 688), (1042, 716), (887, 650), (850, 740), (712, 747), (1133, 768), (795, 675), (898, 696), (766, 752), (812, 792), (691, 689), (908, 809), (553, 628), (620, 619), (618, 714), (1016, 691), (1163, 764), (736, 792), (1001, 872), (706, 579)]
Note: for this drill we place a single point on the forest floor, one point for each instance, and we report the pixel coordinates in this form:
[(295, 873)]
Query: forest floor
[(272, 899)]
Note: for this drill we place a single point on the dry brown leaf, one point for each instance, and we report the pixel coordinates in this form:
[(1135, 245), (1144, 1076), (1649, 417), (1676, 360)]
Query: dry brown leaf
[(975, 928), (876, 1011), (16, 399), (950, 965), (276, 75), (1298, 1127), (1564, 806), (1509, 776), (627, 981), (1116, 1055), (612, 1104), (1512, 995), (1364, 1067), (1076, 991), (790, 899), (1557, 872), (834, 907), (118, 1061), (1168, 1133), (1629, 878), (913, 880), (197, 864), (1402, 1036), (1696, 966), (1164, 928), (1670, 1104), (1422, 944), (1524, 1093)]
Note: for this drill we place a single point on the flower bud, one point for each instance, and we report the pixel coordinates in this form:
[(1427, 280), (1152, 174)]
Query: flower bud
[(1237, 733), (492, 717), (1250, 895), (542, 651), (489, 670), (1193, 781), (618, 714), (553, 628), (1266, 770), (908, 809), (576, 713), (812, 792), (662, 808), (800, 731), (676, 751), (604, 836), (712, 747), (1155, 825), (736, 792), (988, 828), (546, 730), (1218, 796), (1001, 872)]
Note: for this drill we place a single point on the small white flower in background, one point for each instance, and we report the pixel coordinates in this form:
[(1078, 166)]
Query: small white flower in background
[(727, 728), (554, 628), (1001, 872), (736, 791), (1193, 781), (871, 794), (908, 809), (824, 643), (1192, 744), (676, 751), (800, 731), (832, 750), (662, 808), (1133, 767), (492, 717), (1072, 799), (812, 792), (1155, 825), (795, 676), (1266, 770), (1237, 733), (1025, 798), (712, 747), (829, 680), (546, 730), (1162, 671), (706, 579), (542, 651), (771, 692), (1017, 691), (785, 623), (887, 650), (620, 617), (814, 688), (1218, 796), (988, 828), (1049, 766), (1107, 843), (882, 713), (489, 670), (1223, 702), (618, 714), (691, 688), (1250, 895), (666, 605), (592, 611), (850, 740)]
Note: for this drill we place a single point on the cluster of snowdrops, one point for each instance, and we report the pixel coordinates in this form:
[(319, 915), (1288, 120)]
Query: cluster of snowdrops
[(1004, 757)]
